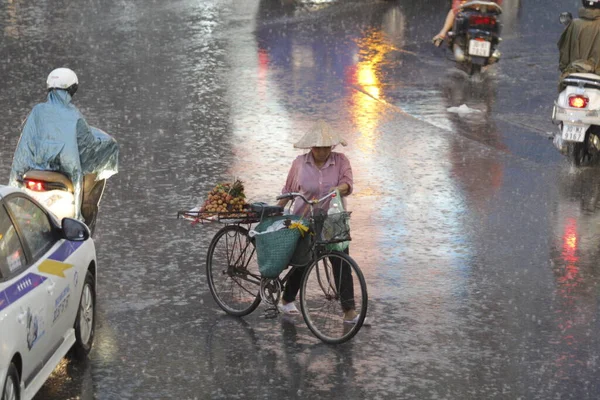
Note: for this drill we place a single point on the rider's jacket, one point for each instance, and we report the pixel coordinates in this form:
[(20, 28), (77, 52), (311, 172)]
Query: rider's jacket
[(56, 137), (579, 44)]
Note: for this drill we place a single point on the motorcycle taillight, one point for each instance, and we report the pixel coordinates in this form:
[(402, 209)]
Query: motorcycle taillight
[(482, 20), (578, 101), (36, 186)]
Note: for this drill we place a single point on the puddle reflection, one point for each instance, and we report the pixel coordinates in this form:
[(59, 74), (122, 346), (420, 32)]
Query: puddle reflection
[(575, 254)]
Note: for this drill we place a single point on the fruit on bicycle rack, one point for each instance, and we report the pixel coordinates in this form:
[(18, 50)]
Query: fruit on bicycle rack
[(225, 197)]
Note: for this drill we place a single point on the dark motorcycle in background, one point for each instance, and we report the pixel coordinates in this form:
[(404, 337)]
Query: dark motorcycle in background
[(475, 37)]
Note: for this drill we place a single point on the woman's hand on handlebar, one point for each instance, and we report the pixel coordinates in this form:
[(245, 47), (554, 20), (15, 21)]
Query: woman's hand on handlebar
[(283, 202), (344, 189), (284, 198)]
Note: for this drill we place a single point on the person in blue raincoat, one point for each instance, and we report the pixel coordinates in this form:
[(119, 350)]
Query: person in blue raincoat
[(56, 137)]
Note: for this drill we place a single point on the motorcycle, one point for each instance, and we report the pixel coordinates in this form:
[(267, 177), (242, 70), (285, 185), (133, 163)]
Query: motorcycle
[(52, 185), (56, 192), (577, 116), (476, 35)]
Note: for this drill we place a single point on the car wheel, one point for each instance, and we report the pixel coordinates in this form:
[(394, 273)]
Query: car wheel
[(11, 385), (85, 322)]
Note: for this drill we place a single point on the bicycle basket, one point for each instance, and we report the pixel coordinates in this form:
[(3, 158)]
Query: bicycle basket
[(332, 228), (274, 250)]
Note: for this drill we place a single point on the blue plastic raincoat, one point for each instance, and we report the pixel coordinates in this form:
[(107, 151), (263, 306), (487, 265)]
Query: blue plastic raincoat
[(56, 137)]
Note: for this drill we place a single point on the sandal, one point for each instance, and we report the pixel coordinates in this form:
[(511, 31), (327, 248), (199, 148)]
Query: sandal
[(354, 320), (288, 309)]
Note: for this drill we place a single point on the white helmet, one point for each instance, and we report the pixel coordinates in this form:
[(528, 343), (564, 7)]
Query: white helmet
[(63, 78)]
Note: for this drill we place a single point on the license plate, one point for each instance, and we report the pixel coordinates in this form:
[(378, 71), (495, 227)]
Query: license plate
[(574, 133), (479, 48)]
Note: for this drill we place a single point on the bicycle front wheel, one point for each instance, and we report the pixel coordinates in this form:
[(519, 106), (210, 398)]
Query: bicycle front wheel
[(232, 271), (332, 285)]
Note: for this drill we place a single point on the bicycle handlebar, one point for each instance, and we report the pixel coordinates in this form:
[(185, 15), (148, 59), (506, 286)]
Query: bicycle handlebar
[(293, 195)]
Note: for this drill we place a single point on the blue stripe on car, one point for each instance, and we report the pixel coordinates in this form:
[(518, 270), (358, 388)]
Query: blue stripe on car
[(20, 288), (65, 250), (30, 281)]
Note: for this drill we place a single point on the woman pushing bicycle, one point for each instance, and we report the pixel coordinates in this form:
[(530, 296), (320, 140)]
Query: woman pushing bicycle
[(315, 174), (247, 257)]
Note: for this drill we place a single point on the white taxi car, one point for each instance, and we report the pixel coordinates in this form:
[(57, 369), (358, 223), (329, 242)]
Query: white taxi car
[(47, 293)]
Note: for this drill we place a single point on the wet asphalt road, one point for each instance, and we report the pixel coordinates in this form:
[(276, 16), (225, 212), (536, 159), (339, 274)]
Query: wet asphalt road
[(477, 239)]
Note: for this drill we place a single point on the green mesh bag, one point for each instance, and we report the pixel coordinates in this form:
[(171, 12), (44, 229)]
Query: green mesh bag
[(274, 250)]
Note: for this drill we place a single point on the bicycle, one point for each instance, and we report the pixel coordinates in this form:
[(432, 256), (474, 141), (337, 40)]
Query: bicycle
[(238, 287)]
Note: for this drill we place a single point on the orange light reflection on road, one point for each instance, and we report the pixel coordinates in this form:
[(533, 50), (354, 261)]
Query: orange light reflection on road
[(366, 104), (263, 68), (568, 279), (367, 78), (570, 243)]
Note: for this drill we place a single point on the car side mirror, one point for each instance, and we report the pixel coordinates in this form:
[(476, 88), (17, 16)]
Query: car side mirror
[(75, 230), (565, 18)]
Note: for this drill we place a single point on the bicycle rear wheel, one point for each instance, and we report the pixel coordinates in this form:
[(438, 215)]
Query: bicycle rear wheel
[(232, 271), (330, 285)]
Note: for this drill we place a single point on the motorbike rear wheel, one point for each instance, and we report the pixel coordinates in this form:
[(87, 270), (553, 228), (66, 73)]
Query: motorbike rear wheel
[(92, 194), (91, 223), (579, 155), (474, 69)]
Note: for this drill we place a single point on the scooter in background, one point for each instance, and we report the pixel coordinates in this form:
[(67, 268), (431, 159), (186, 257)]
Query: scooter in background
[(476, 35), (576, 112)]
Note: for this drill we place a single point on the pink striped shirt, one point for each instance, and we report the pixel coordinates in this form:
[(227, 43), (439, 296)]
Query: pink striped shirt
[(313, 182)]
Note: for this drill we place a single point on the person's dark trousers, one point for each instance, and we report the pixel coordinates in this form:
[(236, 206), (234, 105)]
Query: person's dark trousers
[(344, 283)]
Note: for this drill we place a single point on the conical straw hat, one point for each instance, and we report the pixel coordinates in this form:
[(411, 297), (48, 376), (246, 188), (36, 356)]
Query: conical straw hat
[(320, 135)]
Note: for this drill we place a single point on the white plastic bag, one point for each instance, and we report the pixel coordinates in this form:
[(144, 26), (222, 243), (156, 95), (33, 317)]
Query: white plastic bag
[(277, 226)]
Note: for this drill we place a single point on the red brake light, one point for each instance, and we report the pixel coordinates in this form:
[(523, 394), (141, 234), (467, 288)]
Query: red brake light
[(578, 101), (481, 20), (36, 186)]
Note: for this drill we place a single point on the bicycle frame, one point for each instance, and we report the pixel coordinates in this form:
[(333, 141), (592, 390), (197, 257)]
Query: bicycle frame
[(239, 268), (316, 249)]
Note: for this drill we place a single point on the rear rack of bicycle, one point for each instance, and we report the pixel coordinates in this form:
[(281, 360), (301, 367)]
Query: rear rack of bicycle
[(252, 214)]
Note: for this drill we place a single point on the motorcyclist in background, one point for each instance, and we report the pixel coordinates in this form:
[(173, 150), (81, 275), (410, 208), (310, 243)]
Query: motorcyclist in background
[(579, 44), (56, 137), (449, 22)]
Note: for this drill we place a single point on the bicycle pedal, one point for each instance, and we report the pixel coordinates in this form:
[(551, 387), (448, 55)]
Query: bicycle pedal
[(271, 313)]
